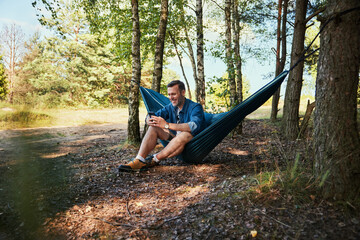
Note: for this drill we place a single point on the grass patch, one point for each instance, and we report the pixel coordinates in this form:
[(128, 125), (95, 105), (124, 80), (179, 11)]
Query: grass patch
[(23, 119), (12, 116), (295, 182)]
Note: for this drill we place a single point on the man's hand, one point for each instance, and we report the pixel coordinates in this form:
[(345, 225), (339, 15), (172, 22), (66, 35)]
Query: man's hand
[(156, 122)]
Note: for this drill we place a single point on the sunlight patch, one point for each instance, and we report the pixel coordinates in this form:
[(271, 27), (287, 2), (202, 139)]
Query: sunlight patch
[(237, 152), (54, 155)]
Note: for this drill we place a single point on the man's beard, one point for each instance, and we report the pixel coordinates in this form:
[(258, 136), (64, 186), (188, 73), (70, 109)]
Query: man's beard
[(180, 101)]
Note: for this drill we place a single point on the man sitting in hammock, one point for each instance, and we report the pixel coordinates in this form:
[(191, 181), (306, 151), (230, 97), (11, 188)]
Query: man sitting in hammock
[(177, 122)]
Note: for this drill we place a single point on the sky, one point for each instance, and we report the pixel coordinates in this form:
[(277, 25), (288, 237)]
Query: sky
[(23, 14)]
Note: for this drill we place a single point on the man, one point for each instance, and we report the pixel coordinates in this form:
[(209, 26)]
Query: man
[(177, 122)]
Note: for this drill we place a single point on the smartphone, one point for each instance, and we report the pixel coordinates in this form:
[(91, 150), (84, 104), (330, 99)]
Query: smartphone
[(150, 116)]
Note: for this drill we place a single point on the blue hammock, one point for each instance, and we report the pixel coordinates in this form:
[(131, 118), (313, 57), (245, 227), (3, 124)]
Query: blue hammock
[(219, 125)]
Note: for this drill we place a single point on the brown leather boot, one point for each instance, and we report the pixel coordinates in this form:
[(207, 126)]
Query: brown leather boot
[(136, 165)]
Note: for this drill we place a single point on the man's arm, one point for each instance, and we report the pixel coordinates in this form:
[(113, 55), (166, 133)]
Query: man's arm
[(160, 122)]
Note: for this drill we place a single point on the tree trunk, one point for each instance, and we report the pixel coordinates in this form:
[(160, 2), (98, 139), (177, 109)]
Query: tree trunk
[(276, 96), (237, 59), (12, 40), (181, 64), (200, 85), (305, 121), (283, 36), (190, 49), (133, 121), (229, 55), (336, 136), (159, 48), (290, 121), (237, 56)]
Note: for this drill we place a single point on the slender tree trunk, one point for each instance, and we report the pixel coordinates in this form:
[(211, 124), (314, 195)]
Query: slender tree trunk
[(190, 49), (237, 56), (11, 41), (336, 134), (276, 96), (200, 85), (133, 121), (237, 59), (181, 64), (290, 121), (159, 49), (283, 36), (229, 55)]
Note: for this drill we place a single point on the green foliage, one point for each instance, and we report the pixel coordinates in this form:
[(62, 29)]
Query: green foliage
[(3, 81), (113, 19), (256, 25), (311, 61), (218, 94), (73, 68)]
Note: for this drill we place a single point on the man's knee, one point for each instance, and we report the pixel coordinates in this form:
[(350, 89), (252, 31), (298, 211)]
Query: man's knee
[(160, 133), (184, 137)]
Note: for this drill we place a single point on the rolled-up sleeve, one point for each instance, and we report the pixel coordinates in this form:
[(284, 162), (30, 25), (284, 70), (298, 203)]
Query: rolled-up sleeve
[(192, 126), (197, 120)]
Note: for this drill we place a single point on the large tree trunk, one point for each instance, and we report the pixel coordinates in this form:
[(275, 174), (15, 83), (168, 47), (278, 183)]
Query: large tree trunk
[(290, 121), (200, 85), (159, 48), (229, 53), (133, 121), (336, 136), (276, 96)]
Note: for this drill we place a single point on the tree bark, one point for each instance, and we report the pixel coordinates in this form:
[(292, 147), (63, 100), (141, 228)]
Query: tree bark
[(290, 120), (237, 59), (283, 36), (133, 121), (276, 96), (159, 48), (336, 136), (237, 56), (200, 85), (229, 53), (305, 121)]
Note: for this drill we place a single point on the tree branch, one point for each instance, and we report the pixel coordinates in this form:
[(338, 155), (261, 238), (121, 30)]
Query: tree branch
[(218, 5), (315, 14)]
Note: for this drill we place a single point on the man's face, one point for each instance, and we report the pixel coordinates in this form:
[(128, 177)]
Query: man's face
[(176, 97)]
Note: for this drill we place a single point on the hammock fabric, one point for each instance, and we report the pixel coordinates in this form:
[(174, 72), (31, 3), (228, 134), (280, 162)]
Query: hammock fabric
[(219, 125)]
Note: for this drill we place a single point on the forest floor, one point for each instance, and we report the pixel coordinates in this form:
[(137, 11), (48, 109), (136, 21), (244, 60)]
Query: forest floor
[(62, 183)]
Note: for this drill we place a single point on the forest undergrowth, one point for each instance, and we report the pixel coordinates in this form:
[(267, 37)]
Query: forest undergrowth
[(64, 184)]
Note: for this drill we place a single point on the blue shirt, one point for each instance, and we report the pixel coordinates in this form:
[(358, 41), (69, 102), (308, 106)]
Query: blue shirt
[(192, 113)]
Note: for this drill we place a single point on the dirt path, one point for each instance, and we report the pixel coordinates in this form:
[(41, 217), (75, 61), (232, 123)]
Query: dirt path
[(62, 183)]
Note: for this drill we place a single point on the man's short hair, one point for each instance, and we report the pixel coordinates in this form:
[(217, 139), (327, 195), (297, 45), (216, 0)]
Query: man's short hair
[(177, 82)]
